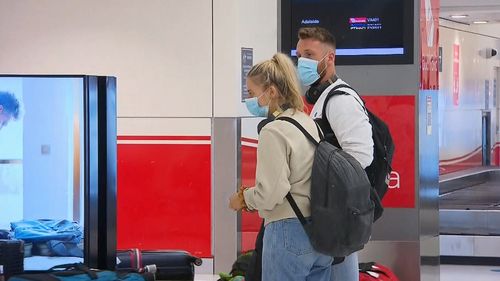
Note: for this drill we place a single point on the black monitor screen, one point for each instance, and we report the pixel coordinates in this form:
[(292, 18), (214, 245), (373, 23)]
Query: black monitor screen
[(367, 31)]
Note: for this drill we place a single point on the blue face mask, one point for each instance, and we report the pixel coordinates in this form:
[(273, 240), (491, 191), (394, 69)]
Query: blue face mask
[(308, 70), (255, 108)]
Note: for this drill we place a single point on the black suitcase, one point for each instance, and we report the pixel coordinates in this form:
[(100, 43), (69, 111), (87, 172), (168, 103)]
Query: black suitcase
[(170, 265), (12, 257)]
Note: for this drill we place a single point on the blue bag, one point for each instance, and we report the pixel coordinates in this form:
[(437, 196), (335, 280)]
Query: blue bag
[(46, 230)]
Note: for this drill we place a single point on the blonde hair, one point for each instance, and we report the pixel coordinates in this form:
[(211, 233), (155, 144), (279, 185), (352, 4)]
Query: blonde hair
[(280, 72)]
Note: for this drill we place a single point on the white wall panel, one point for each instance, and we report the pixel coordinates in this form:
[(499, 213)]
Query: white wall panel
[(237, 24), (249, 127), (164, 126), (159, 50)]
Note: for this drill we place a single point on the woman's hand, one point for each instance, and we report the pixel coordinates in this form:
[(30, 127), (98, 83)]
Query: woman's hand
[(237, 200)]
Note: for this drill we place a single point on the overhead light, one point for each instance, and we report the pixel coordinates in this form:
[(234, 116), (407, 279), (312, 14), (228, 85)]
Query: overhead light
[(458, 16), (480, 22)]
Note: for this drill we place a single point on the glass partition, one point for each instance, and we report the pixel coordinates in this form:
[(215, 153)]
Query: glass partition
[(58, 168), (41, 177)]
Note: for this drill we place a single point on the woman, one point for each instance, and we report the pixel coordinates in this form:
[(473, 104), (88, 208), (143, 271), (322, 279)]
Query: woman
[(284, 163)]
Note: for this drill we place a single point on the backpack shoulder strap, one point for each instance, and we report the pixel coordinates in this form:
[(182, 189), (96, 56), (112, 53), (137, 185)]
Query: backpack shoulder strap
[(289, 196), (296, 209), (336, 91), (304, 131)]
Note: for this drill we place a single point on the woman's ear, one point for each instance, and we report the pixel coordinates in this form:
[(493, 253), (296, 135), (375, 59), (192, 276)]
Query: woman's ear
[(273, 91)]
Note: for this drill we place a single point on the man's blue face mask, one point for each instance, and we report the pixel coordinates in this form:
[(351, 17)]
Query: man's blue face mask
[(308, 70), (254, 107)]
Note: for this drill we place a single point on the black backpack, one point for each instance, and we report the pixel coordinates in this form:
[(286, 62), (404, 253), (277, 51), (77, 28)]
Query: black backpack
[(383, 149), (341, 207)]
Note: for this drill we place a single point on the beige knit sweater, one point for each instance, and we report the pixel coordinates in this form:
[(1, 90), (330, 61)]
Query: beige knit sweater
[(284, 162)]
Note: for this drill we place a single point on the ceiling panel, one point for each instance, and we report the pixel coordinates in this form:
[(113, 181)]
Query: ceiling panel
[(476, 10)]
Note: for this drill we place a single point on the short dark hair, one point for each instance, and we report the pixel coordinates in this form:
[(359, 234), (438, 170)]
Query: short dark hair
[(318, 33), (10, 104)]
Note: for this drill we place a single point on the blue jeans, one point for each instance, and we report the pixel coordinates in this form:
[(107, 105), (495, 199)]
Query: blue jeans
[(347, 270), (288, 255)]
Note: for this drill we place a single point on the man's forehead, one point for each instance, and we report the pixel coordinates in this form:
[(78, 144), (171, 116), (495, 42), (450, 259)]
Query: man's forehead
[(310, 44)]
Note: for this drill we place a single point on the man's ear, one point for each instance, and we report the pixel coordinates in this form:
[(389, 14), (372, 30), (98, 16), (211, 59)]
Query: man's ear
[(331, 57)]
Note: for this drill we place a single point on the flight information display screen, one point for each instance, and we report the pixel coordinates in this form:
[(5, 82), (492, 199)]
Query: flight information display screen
[(367, 31)]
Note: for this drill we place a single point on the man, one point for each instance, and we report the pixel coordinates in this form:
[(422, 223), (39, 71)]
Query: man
[(346, 117), (9, 108)]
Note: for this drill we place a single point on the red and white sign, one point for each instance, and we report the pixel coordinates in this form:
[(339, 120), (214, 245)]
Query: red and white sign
[(456, 74), (429, 43)]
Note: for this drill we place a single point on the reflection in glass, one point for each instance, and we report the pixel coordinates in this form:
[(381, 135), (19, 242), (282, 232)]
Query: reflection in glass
[(41, 168)]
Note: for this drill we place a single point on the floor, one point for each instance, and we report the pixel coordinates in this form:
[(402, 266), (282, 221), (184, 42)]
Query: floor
[(448, 273), (470, 273)]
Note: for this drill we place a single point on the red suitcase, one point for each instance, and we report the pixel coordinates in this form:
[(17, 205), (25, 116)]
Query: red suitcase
[(375, 272)]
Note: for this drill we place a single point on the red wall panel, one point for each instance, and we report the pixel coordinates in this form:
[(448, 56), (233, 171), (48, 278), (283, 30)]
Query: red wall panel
[(164, 194), (398, 112)]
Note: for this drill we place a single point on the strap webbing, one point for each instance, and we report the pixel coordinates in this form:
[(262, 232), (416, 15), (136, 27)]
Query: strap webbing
[(289, 196), (296, 209), (304, 131)]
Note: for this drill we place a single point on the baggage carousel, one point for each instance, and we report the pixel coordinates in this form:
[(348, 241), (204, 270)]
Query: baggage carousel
[(469, 211)]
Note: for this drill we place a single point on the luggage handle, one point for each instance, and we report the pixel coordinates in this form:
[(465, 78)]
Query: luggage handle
[(80, 268)]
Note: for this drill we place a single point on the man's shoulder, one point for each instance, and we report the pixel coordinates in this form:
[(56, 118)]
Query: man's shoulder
[(340, 82), (349, 96)]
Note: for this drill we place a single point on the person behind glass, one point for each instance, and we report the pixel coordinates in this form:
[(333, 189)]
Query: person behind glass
[(9, 108), (284, 164), (316, 66)]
